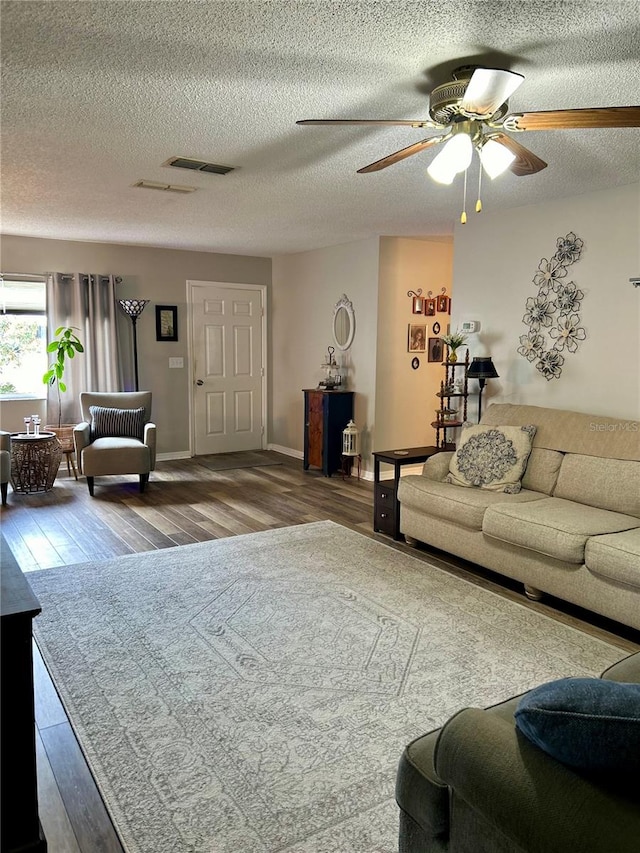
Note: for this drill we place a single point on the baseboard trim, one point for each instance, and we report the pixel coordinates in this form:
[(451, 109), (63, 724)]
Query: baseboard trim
[(287, 451), (178, 454)]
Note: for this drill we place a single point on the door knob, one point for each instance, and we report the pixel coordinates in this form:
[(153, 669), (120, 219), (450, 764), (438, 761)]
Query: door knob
[(199, 382)]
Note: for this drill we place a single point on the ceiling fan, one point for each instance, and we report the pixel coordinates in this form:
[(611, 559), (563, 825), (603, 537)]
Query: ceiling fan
[(472, 110)]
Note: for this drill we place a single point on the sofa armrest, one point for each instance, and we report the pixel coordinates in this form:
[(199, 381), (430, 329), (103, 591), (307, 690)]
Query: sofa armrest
[(627, 670), (534, 800), (150, 440), (81, 439), (437, 467)]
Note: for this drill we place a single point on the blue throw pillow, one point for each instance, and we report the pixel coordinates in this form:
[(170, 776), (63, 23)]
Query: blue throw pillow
[(589, 723)]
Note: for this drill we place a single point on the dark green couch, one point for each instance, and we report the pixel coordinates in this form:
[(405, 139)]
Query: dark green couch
[(478, 786)]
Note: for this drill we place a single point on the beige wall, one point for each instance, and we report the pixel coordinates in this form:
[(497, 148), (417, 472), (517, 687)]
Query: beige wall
[(156, 274), (394, 403), (306, 287), (405, 398), (495, 258)]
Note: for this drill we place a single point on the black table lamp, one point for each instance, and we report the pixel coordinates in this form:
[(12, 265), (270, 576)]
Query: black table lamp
[(481, 368), (133, 308)]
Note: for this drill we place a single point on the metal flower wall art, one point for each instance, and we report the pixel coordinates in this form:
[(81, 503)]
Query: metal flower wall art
[(553, 316)]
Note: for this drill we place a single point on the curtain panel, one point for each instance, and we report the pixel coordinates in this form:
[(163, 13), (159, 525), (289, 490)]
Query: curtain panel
[(88, 302)]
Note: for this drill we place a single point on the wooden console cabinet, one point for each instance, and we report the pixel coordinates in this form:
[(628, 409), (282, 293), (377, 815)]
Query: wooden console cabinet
[(326, 414), (21, 830)]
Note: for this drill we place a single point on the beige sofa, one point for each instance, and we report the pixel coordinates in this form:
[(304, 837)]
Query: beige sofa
[(574, 529)]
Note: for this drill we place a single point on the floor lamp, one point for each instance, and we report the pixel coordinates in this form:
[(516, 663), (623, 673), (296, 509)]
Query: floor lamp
[(481, 368), (133, 308)]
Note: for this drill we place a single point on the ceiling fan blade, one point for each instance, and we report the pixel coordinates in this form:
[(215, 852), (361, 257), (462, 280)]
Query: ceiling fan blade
[(488, 89), (526, 162), (392, 122), (574, 119), (397, 156)]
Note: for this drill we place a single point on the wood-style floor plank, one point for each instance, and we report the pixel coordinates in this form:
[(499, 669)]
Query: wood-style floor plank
[(187, 501)]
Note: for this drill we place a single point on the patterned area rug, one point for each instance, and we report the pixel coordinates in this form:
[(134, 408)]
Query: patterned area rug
[(255, 693)]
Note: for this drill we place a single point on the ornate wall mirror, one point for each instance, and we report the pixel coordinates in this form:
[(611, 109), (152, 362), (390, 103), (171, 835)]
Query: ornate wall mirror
[(344, 323)]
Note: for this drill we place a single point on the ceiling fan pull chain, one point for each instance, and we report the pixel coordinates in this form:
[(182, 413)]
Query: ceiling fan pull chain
[(479, 202), (463, 216)]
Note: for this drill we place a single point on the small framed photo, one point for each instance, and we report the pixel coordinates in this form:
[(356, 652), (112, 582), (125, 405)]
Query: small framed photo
[(436, 350), (444, 304), (166, 322), (417, 338), (430, 307), (418, 305)]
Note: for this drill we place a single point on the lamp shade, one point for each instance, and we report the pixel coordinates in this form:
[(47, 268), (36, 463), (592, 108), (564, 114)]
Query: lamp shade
[(455, 157), (495, 158), (133, 307), (482, 368)]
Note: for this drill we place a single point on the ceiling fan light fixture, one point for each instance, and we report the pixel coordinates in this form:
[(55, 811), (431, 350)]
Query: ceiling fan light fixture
[(455, 157), (495, 158)]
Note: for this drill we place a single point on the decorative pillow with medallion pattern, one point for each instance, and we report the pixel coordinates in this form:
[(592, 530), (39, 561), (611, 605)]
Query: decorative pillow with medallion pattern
[(491, 457)]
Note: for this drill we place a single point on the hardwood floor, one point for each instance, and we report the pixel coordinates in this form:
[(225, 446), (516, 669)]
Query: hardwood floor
[(188, 501)]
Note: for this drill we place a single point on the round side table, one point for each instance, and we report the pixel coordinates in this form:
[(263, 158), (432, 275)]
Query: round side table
[(35, 460)]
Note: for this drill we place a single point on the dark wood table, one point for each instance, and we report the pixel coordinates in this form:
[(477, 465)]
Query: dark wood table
[(21, 830), (386, 507)]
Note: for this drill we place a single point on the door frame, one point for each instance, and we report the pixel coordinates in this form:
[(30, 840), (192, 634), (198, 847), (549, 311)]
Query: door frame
[(231, 285)]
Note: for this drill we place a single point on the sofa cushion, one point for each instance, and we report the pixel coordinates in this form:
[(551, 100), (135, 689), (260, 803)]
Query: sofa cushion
[(491, 457), (588, 723), (552, 526), (615, 556), (451, 503), (606, 483), (541, 473), (117, 423)]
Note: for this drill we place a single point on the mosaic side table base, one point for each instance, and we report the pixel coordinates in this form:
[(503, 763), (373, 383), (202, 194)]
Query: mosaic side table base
[(35, 460)]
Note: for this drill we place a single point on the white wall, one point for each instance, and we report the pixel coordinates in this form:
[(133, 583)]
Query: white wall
[(495, 258), (306, 287)]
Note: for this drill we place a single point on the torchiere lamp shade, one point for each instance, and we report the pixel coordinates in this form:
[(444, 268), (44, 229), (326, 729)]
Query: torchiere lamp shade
[(133, 308)]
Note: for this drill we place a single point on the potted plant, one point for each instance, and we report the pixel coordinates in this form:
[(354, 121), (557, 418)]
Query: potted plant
[(454, 340), (65, 345)]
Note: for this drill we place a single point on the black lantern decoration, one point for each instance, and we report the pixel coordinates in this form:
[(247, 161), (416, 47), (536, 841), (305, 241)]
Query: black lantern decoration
[(133, 308), (481, 368)]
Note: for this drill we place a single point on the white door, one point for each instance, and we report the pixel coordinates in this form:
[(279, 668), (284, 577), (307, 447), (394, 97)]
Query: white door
[(227, 367)]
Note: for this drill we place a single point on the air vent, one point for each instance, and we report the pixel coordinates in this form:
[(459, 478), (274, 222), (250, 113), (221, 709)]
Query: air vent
[(198, 165), (171, 188)]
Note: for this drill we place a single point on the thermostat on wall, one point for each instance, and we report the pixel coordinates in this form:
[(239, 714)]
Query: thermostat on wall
[(470, 327)]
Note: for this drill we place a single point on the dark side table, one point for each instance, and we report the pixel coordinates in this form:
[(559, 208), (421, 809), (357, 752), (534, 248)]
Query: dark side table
[(386, 508)]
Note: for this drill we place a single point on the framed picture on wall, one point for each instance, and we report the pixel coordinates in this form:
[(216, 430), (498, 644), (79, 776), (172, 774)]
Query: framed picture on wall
[(430, 307), (417, 338), (444, 304), (435, 351), (166, 322)]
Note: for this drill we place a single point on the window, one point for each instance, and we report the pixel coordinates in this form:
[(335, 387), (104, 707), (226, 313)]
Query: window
[(23, 337)]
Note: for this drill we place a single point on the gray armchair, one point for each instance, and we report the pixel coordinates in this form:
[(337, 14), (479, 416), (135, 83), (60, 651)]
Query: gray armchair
[(477, 786), (5, 464), (116, 435)]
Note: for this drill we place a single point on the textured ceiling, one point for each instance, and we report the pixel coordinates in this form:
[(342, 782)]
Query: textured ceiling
[(97, 95)]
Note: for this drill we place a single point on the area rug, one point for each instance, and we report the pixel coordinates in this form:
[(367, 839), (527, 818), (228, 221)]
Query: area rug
[(241, 459), (254, 694)]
